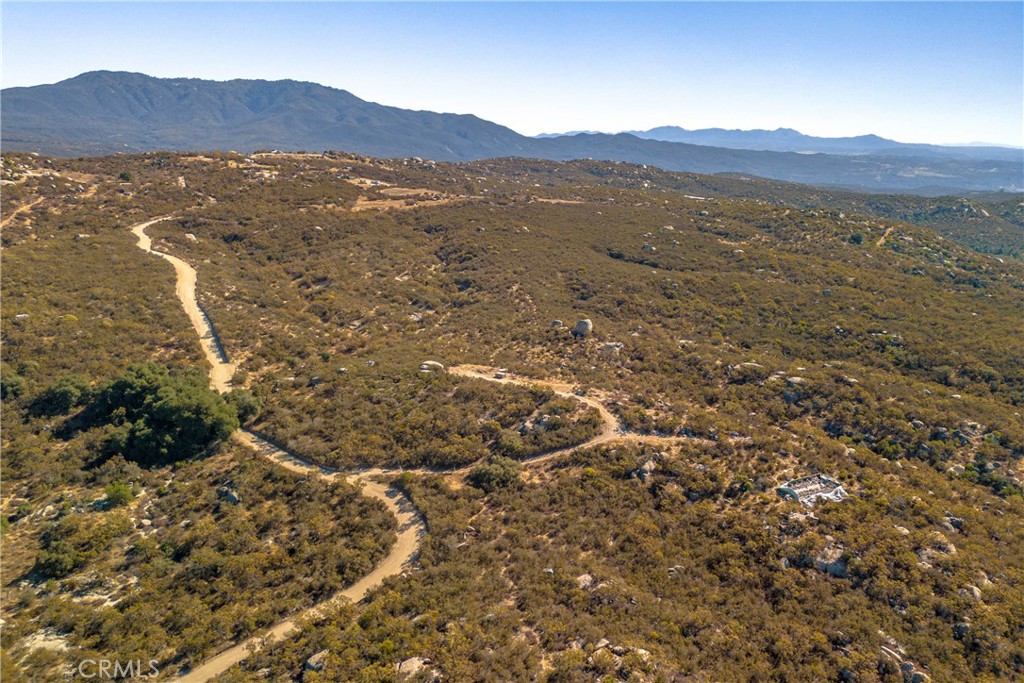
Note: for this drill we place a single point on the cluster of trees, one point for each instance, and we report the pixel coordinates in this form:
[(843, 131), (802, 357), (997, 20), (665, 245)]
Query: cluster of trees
[(157, 416)]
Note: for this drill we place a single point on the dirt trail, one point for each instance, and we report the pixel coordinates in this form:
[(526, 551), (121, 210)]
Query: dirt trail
[(20, 209), (411, 527), (611, 428), (881, 240), (221, 370)]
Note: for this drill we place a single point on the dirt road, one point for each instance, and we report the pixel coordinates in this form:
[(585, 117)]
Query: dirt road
[(221, 370)]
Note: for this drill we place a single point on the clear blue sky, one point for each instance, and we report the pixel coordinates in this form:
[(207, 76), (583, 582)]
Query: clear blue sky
[(917, 72)]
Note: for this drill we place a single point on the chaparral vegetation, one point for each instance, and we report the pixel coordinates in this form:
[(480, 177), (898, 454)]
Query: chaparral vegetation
[(600, 502)]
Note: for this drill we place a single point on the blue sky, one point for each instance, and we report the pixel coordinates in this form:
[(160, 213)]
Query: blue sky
[(918, 72)]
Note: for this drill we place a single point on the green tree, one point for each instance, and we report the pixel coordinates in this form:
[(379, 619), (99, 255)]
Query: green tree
[(246, 405)]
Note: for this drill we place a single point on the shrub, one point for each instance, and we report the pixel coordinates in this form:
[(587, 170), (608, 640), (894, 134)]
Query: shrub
[(496, 473), (119, 493), (246, 405)]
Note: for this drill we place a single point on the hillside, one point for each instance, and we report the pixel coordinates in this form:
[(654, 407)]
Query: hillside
[(597, 506), (106, 112), (990, 223)]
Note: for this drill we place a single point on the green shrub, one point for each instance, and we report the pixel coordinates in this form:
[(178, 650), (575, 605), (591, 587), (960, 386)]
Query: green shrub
[(495, 473), (119, 493), (246, 405)]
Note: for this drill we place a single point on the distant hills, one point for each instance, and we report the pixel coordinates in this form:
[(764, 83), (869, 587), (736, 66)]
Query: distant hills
[(105, 112), (789, 140)]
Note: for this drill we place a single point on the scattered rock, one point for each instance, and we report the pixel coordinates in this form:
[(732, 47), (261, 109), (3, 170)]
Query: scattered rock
[(972, 429), (796, 381), (316, 381), (431, 366), (972, 592), (317, 661), (584, 581), (645, 470), (643, 654), (954, 522), (912, 675), (832, 561), (961, 629), (229, 495), (412, 666), (556, 323)]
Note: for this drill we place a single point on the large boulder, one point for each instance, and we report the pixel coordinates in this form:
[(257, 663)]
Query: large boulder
[(414, 666), (583, 328)]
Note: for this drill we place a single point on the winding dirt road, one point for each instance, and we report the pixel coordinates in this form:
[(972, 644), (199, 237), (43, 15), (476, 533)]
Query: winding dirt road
[(410, 523), (411, 527)]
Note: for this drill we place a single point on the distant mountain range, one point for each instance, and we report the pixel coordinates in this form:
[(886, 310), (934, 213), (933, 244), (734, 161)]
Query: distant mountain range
[(789, 140), (105, 112)]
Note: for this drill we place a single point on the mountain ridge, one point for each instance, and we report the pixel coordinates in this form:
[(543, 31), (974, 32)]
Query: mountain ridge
[(104, 112)]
